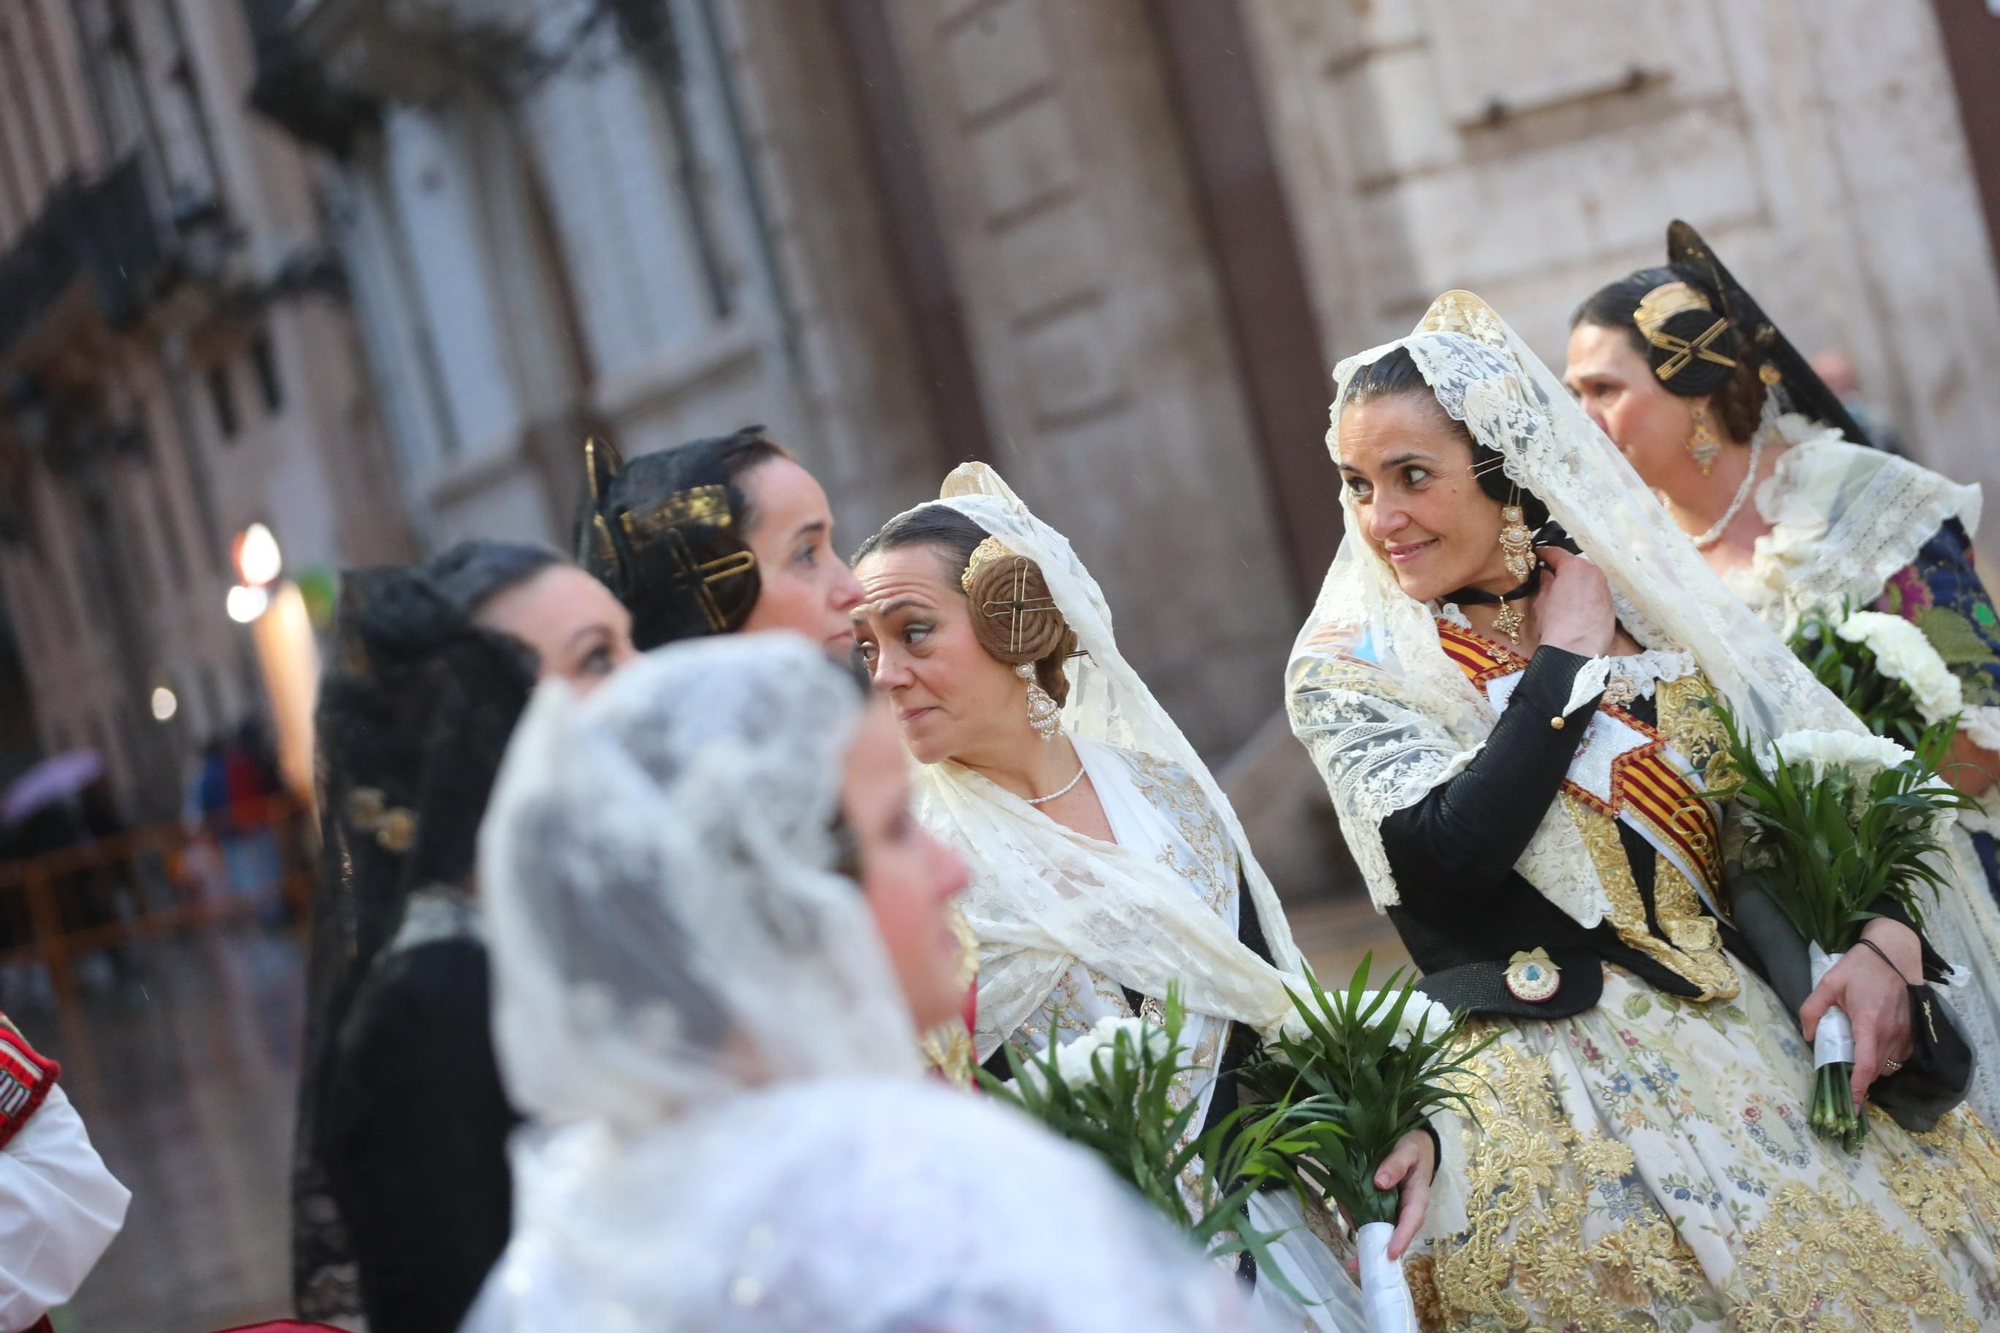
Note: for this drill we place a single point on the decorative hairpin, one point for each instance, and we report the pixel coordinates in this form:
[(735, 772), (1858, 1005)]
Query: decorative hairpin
[(394, 826)]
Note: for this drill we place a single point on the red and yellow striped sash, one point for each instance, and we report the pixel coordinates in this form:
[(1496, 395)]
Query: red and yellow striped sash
[(1646, 783)]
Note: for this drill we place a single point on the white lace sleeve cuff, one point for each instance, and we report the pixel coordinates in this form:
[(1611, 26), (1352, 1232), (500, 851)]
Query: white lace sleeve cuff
[(1589, 683)]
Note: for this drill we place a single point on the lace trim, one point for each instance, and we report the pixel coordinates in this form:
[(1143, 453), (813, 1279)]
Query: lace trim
[(1843, 519), (437, 912)]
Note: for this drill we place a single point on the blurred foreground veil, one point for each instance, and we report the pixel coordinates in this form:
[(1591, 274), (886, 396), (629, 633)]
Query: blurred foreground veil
[(729, 1124)]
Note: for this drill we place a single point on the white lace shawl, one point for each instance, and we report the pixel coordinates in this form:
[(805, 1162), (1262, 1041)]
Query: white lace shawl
[(839, 1206), (1042, 895), (1386, 714), (728, 1128), (1844, 518)]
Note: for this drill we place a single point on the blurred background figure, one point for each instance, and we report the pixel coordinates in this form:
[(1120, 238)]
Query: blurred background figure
[(1836, 370), (402, 1196)]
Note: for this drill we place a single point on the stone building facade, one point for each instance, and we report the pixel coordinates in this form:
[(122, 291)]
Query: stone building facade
[(1112, 247), (175, 364)]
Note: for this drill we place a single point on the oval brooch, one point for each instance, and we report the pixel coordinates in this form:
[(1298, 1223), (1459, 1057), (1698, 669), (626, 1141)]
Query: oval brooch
[(1532, 977)]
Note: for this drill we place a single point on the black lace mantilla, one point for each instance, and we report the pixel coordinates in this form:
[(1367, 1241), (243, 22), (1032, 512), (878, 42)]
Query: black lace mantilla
[(415, 711)]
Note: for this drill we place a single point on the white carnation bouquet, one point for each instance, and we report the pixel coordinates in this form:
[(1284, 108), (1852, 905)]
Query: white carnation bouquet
[(1358, 1069), (1118, 1089), (1839, 823), (1882, 667)]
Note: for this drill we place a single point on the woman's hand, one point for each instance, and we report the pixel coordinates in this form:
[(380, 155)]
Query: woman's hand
[(1573, 609), (1410, 1166), (1874, 996)]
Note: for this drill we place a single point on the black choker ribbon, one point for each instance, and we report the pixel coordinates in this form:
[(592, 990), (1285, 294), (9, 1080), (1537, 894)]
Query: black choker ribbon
[(1479, 597)]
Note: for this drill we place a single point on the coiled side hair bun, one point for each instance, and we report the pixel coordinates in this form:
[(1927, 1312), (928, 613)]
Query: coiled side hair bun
[(1015, 618)]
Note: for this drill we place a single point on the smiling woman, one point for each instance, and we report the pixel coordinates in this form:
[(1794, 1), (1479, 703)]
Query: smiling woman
[(1531, 810)]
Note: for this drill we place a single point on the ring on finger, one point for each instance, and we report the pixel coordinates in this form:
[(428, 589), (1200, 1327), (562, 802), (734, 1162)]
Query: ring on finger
[(1892, 1065)]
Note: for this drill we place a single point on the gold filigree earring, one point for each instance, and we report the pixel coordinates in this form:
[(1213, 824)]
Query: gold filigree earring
[(1044, 713), (1702, 446), (1517, 544), (1517, 548)]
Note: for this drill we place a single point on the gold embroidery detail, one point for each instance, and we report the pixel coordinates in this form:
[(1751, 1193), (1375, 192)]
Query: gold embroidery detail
[(1524, 1145), (1817, 1252), (1420, 1271), (1172, 791), (1692, 727), (1952, 1179), (1692, 949)]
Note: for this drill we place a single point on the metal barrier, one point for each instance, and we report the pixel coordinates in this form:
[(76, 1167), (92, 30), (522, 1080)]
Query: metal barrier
[(151, 882)]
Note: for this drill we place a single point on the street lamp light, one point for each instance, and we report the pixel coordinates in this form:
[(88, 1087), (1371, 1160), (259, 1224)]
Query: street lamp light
[(165, 705), (245, 604), (256, 555)]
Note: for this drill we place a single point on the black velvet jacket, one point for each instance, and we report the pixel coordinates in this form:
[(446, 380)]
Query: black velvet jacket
[(416, 1136), (1466, 911)]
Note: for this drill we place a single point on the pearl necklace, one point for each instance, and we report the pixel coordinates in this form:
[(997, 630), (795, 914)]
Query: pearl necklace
[(1714, 534), (1068, 787)]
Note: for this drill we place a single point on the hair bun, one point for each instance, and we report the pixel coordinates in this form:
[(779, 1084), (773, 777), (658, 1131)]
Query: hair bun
[(1013, 614), (1691, 344)]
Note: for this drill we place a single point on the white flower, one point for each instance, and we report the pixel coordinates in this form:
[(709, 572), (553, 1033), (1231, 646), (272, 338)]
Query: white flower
[(1822, 750), (1074, 1057), (1421, 1009), (1903, 653)]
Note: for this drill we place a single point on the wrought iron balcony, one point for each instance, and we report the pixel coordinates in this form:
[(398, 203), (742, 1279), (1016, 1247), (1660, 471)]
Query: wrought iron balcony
[(102, 232), (293, 88), (324, 65)]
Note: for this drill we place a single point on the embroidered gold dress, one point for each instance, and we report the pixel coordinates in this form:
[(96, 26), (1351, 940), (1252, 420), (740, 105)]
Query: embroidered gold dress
[(1646, 1163), (1640, 1157)]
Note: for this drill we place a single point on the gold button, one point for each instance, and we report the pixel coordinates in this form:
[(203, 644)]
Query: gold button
[(1556, 723)]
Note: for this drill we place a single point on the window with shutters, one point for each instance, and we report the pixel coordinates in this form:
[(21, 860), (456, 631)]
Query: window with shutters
[(1492, 62)]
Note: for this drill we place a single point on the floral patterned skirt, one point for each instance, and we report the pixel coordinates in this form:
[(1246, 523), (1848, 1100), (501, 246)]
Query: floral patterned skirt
[(1648, 1164)]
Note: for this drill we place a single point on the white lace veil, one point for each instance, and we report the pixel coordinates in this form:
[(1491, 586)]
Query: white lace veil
[(1387, 716), (655, 867), (1041, 894), (729, 1128)]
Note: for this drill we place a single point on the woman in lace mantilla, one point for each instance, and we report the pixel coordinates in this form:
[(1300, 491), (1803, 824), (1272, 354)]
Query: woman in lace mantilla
[(1106, 863), (1516, 752), (1821, 523), (712, 1030)]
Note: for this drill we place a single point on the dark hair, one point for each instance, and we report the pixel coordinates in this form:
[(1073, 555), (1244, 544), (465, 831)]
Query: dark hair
[(646, 570), (717, 461), (1397, 375), (1737, 393), (955, 537), (473, 573)]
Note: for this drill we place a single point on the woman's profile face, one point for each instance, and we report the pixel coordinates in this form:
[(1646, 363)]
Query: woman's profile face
[(802, 584), (1420, 510), (578, 630), (1615, 384), (908, 875), (914, 630)]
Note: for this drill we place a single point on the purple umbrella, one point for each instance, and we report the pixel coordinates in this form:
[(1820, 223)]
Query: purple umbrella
[(56, 778)]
